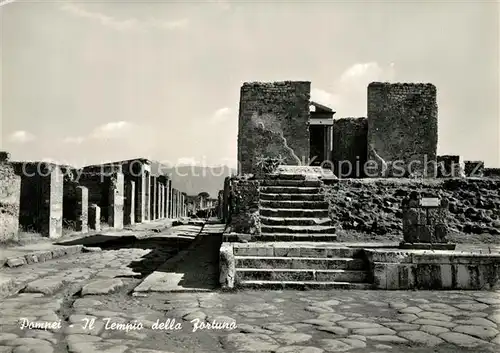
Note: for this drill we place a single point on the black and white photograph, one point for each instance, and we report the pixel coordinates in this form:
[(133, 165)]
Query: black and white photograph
[(249, 176)]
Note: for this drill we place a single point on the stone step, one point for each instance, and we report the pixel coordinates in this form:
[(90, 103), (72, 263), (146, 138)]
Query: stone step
[(298, 229), (271, 274), (289, 190), (316, 263), (296, 237), (290, 182), (293, 213), (283, 221), (302, 285), (297, 197), (295, 204), (296, 250)]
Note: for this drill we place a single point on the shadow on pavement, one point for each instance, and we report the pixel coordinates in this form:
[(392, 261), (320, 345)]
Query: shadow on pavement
[(162, 248)]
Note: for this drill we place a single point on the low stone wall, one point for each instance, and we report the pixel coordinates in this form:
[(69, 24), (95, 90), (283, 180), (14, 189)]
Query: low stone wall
[(10, 196), (244, 206), (374, 205), (420, 269)]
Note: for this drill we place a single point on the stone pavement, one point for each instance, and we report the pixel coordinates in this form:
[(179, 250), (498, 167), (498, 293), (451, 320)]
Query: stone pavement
[(86, 303)]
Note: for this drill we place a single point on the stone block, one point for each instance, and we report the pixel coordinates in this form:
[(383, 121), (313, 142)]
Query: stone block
[(82, 210), (116, 200), (52, 189), (95, 217), (402, 129), (227, 266)]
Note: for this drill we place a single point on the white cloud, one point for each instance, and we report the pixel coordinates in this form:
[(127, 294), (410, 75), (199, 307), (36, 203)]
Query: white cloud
[(76, 140), (220, 115), (349, 94), (5, 2), (323, 97), (124, 24), (112, 130), (21, 136)]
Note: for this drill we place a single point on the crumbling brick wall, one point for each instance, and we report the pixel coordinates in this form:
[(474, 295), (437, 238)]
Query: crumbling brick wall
[(402, 126), (10, 195), (349, 147), (273, 123)]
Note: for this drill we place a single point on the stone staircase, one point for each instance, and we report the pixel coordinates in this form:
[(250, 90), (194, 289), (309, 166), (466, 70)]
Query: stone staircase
[(301, 266), (294, 209)]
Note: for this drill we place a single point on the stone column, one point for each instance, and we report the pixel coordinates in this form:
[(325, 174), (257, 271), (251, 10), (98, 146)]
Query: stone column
[(82, 211), (165, 199), (116, 200), (170, 197), (95, 217), (162, 201), (52, 197), (130, 202), (140, 197), (147, 201), (176, 203), (153, 193), (159, 200)]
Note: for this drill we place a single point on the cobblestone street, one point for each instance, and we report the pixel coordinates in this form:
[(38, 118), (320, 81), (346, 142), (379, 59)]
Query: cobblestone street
[(89, 303)]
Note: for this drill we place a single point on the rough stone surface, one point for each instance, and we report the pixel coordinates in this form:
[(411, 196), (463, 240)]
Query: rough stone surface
[(273, 123), (373, 206), (245, 206), (349, 147), (402, 127), (10, 197), (103, 286), (227, 266)]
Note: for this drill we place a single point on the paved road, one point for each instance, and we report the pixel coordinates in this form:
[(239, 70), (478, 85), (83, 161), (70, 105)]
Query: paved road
[(97, 288)]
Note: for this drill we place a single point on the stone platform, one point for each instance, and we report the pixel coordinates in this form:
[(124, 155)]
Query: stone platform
[(323, 265)]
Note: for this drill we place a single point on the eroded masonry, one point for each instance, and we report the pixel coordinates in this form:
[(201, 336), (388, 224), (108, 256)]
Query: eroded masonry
[(47, 198)]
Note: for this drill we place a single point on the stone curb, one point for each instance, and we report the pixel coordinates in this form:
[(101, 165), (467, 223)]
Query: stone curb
[(42, 256)]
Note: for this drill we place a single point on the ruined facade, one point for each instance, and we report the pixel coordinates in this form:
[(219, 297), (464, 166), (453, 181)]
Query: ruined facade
[(273, 123), (402, 128), (45, 198)]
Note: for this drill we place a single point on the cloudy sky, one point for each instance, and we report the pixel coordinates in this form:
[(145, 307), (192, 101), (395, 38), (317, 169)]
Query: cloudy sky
[(87, 82)]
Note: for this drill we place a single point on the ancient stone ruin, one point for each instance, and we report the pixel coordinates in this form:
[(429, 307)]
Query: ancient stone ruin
[(306, 177), (46, 198)]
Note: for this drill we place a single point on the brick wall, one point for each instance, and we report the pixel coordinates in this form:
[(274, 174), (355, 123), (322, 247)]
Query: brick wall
[(349, 147), (402, 126), (273, 123)]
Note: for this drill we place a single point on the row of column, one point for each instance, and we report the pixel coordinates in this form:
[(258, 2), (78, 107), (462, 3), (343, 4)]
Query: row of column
[(155, 199)]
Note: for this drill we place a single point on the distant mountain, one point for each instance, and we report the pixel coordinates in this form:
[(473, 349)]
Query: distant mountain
[(195, 179)]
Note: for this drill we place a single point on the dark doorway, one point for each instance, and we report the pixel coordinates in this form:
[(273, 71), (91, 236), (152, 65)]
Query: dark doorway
[(317, 144)]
